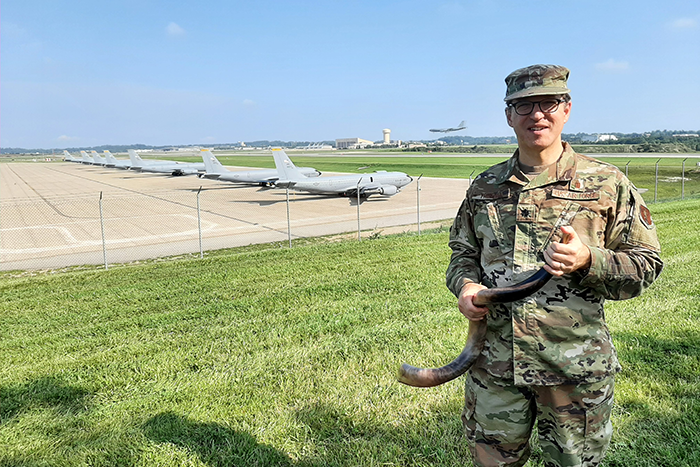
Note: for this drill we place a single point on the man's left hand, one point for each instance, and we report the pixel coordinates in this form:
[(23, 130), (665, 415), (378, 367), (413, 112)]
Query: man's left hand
[(568, 255)]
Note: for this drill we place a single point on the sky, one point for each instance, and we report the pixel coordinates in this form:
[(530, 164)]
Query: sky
[(77, 73)]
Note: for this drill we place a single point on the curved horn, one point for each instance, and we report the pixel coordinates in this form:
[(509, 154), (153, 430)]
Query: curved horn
[(429, 377)]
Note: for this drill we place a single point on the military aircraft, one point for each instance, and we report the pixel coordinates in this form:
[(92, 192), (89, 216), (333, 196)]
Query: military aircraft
[(163, 166), (87, 159), (69, 158), (118, 163), (461, 126), (380, 182), (98, 160), (262, 177)]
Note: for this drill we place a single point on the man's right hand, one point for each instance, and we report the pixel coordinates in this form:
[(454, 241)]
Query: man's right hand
[(466, 305)]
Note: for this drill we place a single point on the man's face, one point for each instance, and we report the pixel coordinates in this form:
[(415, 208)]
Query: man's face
[(538, 130)]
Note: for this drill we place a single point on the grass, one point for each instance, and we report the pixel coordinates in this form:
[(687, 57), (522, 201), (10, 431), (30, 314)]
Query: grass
[(271, 356), (641, 169)]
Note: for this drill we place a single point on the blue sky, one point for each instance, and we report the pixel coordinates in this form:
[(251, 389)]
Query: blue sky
[(86, 73)]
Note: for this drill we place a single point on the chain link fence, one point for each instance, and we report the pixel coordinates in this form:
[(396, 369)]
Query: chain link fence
[(117, 228)]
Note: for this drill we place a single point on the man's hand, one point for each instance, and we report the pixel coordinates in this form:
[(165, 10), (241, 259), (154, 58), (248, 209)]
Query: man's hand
[(466, 306), (568, 255)]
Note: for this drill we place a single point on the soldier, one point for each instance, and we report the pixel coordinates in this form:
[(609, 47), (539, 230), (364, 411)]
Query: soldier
[(548, 359)]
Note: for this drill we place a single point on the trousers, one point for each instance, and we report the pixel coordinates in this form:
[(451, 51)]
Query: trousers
[(573, 421)]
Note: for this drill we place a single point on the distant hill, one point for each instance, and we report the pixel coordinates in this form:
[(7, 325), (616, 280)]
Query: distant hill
[(654, 141)]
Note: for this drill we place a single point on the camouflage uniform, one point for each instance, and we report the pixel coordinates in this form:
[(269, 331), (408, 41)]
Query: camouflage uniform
[(553, 346)]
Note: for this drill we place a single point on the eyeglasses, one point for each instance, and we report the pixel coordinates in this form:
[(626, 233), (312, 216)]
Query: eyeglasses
[(547, 106)]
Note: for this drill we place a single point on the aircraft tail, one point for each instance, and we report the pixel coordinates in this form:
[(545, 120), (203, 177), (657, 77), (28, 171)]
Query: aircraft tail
[(135, 158), (462, 124), (286, 169), (211, 163)]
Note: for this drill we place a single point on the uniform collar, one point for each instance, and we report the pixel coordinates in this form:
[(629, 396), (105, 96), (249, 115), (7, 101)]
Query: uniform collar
[(563, 170)]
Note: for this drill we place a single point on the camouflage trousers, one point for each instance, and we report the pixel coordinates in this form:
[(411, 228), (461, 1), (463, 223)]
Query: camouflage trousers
[(573, 421)]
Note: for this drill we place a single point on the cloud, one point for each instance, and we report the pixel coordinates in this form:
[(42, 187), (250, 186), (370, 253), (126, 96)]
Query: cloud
[(248, 103), (174, 30), (612, 65), (684, 23), (67, 139)]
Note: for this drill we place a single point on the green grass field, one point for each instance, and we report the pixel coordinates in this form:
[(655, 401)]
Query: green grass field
[(269, 356)]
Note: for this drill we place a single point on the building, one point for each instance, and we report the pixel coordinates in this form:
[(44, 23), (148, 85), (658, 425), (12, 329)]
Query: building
[(352, 143), (387, 135)]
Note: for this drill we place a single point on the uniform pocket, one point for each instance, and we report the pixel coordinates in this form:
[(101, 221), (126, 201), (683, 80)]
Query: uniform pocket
[(499, 230), (598, 431), (468, 413)]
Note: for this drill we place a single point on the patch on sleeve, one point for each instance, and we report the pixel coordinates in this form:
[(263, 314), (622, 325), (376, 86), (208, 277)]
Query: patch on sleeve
[(645, 217)]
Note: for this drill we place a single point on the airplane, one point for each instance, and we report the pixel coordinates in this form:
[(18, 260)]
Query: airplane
[(99, 160), (163, 166), (380, 182), (86, 158), (69, 158), (118, 163), (461, 126), (262, 177)]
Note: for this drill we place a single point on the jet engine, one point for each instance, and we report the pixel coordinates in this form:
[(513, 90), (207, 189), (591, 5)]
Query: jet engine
[(388, 190)]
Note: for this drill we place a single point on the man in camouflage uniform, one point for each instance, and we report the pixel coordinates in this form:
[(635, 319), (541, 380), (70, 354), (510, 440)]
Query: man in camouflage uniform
[(548, 359)]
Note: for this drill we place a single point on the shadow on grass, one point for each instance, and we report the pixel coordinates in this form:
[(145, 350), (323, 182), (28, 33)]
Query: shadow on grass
[(47, 392), (659, 416), (214, 444), (342, 439), (54, 419)]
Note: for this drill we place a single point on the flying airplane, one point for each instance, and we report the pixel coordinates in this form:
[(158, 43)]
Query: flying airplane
[(118, 163), (262, 177), (461, 126), (163, 166), (69, 158), (380, 182)]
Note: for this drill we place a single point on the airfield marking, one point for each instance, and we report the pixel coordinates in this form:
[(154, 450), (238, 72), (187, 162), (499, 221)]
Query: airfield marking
[(76, 244), (137, 206)]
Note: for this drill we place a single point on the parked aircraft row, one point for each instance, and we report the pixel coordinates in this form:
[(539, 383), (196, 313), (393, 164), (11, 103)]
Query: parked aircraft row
[(135, 162), (285, 175), (264, 177)]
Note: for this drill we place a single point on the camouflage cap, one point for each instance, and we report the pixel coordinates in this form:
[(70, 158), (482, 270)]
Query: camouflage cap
[(537, 80)]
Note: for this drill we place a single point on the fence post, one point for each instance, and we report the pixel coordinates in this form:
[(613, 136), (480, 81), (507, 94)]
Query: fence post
[(656, 181), (102, 228), (199, 224), (683, 180), (627, 171), (359, 235), (470, 177), (418, 201), (289, 223)]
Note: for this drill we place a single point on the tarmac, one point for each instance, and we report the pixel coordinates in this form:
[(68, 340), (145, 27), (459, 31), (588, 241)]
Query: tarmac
[(57, 214)]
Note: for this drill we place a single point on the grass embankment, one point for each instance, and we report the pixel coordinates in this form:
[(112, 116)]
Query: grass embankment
[(288, 356)]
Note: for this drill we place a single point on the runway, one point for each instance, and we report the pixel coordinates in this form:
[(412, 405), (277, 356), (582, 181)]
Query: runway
[(61, 214)]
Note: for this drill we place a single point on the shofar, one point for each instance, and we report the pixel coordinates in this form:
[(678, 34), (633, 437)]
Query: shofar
[(429, 377)]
